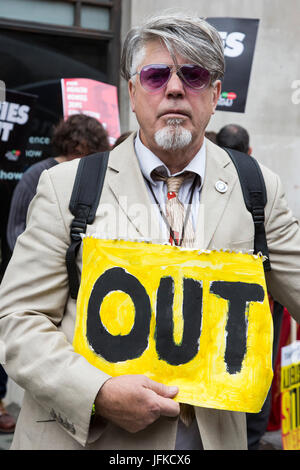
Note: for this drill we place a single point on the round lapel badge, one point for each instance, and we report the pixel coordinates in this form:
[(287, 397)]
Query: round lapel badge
[(221, 187)]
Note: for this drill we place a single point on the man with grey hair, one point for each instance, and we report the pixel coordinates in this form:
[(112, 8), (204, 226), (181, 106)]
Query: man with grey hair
[(174, 66)]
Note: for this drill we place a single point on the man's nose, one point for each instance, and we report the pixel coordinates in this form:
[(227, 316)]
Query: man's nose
[(175, 86)]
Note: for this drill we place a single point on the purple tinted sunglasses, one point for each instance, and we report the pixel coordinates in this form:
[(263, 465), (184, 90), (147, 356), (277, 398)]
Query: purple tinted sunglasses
[(155, 76)]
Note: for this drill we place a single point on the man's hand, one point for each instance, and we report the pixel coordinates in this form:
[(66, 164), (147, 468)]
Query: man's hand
[(135, 401)]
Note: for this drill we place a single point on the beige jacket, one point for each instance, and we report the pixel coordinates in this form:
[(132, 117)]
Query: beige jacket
[(37, 315)]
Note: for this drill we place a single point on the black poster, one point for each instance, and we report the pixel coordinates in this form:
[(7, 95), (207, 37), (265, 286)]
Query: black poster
[(48, 112), (15, 120), (239, 38)]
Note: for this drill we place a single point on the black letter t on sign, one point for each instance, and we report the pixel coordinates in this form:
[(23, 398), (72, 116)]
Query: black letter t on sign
[(237, 294)]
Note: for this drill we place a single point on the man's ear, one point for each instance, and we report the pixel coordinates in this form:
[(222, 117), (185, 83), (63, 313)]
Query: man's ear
[(131, 91), (217, 86)]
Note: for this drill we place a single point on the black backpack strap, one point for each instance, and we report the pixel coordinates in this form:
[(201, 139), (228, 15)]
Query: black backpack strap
[(83, 205), (255, 196)]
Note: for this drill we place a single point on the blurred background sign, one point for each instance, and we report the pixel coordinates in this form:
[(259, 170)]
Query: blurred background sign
[(239, 38), (15, 120), (290, 396), (96, 99), (15, 125)]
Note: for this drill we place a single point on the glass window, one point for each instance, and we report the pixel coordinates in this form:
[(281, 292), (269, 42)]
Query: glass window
[(59, 13), (33, 57), (95, 18), (35, 63)]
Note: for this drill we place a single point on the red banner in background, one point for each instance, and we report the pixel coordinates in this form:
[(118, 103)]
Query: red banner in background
[(96, 99)]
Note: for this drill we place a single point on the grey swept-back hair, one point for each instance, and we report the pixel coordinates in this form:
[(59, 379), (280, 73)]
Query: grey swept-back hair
[(192, 37)]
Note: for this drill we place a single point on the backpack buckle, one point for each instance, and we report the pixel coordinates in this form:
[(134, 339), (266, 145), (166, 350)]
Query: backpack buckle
[(258, 215), (77, 228)]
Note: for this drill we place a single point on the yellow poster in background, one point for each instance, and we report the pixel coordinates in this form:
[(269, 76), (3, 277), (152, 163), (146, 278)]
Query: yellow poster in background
[(197, 320), (290, 396)]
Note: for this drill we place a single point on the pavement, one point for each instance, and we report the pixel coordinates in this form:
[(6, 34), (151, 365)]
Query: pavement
[(270, 441)]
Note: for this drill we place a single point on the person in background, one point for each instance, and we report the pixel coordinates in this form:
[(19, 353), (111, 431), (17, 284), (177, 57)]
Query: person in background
[(234, 137), (75, 137), (237, 137), (212, 136)]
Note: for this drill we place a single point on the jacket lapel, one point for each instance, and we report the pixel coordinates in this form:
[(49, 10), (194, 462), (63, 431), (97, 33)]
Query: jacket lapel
[(215, 195), (129, 188)]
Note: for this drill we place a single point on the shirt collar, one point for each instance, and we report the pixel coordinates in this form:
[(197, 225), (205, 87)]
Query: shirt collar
[(149, 161)]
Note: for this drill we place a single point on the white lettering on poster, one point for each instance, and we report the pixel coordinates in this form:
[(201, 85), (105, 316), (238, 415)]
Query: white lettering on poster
[(11, 114), (233, 43)]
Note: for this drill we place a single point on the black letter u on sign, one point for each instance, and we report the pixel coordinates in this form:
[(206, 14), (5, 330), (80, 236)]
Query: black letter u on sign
[(118, 348), (192, 317)]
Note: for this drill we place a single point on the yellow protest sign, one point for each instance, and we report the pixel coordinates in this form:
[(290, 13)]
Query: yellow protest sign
[(290, 396), (200, 321)]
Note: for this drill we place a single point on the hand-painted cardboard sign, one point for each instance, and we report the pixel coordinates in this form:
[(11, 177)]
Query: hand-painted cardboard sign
[(200, 321)]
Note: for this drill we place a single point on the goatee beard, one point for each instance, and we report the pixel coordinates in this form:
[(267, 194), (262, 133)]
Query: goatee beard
[(173, 136)]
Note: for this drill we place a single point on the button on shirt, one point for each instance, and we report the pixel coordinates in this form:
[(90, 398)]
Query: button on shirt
[(149, 162)]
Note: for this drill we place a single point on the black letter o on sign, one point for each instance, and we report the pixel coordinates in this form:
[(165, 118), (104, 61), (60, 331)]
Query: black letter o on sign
[(120, 347)]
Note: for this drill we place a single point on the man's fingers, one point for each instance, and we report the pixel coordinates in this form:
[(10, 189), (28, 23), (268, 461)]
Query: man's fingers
[(168, 407), (164, 393), (161, 389), (133, 402)]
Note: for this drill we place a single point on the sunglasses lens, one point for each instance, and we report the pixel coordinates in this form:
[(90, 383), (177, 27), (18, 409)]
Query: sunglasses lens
[(195, 76), (153, 77)]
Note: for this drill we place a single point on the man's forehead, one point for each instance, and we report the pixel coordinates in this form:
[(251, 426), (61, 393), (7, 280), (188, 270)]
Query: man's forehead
[(156, 52)]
